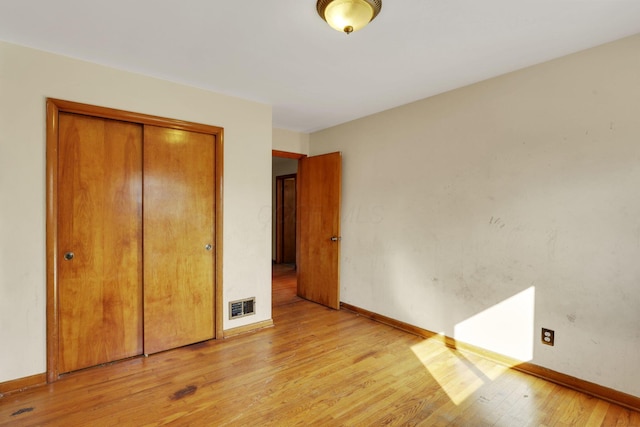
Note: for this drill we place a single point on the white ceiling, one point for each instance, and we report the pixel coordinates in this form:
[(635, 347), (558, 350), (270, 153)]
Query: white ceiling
[(281, 53)]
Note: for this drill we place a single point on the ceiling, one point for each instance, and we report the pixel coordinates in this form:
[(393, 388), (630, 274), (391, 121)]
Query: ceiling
[(281, 53)]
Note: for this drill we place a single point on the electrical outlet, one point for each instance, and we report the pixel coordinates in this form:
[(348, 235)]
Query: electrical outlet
[(548, 336)]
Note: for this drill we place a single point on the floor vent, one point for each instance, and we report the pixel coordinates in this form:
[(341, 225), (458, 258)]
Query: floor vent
[(243, 307)]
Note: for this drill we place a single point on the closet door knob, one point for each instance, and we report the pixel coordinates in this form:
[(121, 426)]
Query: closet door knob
[(68, 256), (208, 246)]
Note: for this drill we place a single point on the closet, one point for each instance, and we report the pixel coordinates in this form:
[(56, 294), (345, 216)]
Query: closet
[(132, 235)]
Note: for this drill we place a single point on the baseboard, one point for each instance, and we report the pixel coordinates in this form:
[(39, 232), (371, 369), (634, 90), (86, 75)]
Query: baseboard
[(610, 395), (247, 328), (20, 384)]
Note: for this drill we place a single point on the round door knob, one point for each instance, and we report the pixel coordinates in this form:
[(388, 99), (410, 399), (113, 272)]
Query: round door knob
[(208, 246), (68, 256)]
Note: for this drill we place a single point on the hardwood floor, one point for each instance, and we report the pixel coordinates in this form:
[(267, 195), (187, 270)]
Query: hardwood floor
[(315, 367)]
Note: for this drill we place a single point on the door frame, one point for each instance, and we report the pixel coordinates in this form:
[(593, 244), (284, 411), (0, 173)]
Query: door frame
[(54, 107), (297, 157)]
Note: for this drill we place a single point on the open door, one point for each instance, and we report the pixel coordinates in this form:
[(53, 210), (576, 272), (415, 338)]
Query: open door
[(318, 249)]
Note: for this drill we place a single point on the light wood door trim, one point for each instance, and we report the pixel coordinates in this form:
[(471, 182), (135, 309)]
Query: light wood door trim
[(129, 116), (52, 242), (218, 177), (53, 108), (287, 155)]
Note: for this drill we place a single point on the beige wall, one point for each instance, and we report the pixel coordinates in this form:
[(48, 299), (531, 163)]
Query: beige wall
[(290, 141), (501, 207), (494, 210), (27, 78)]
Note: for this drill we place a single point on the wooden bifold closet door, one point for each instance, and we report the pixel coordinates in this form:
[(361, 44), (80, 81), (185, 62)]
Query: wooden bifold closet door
[(136, 239)]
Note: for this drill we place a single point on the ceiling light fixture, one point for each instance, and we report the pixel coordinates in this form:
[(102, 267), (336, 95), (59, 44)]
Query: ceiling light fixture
[(348, 15)]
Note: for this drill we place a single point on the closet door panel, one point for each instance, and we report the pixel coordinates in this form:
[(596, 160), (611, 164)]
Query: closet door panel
[(178, 238), (99, 250)]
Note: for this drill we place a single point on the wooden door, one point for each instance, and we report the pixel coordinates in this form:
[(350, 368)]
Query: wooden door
[(319, 193), (289, 221), (99, 251), (178, 238), (286, 219)]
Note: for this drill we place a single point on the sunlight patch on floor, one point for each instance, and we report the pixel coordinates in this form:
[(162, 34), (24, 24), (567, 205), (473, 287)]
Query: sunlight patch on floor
[(505, 328), (458, 376)]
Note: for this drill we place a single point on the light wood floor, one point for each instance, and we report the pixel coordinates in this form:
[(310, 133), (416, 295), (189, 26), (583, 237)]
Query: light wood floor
[(315, 367)]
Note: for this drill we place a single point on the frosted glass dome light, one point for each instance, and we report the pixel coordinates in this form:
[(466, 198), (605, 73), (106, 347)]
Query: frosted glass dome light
[(348, 15)]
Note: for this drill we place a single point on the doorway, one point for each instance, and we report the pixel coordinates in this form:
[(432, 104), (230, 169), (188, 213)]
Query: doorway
[(284, 186), (317, 243), (284, 192)]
